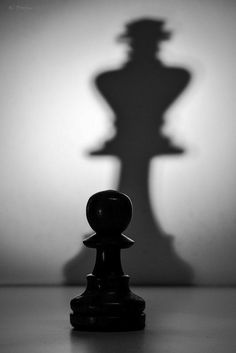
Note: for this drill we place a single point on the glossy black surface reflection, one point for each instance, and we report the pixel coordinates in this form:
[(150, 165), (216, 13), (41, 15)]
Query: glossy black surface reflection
[(139, 94)]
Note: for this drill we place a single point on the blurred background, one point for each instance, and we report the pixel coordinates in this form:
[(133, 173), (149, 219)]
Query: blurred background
[(52, 116)]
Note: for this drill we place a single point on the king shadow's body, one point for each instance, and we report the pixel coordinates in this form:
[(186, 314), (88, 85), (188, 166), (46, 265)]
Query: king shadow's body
[(139, 93)]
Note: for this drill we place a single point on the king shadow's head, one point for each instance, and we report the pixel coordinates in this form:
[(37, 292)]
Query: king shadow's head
[(144, 36)]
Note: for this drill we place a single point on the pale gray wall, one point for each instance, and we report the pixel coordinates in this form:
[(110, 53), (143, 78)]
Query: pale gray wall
[(51, 115)]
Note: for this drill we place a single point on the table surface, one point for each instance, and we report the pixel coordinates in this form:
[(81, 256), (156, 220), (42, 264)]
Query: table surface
[(179, 320)]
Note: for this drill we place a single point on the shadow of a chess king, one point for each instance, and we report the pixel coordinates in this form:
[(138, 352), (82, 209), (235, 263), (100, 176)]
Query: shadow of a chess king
[(139, 93)]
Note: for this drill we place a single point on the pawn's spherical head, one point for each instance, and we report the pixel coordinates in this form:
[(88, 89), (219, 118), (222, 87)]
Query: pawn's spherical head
[(109, 211)]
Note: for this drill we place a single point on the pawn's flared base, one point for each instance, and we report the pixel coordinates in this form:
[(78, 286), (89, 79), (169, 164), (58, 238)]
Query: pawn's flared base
[(107, 323)]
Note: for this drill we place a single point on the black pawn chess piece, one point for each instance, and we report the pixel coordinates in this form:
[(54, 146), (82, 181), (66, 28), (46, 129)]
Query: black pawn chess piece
[(108, 304)]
